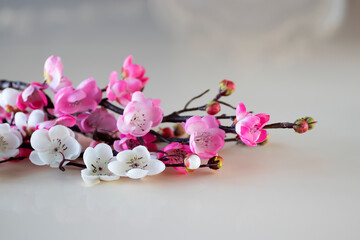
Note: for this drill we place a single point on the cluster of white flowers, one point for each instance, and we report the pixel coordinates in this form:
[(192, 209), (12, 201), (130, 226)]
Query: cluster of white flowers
[(53, 146), (102, 165)]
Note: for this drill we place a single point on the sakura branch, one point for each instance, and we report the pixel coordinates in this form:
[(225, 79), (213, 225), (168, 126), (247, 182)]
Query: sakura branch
[(130, 134)]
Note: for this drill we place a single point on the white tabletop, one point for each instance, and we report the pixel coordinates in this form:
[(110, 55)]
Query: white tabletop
[(296, 187)]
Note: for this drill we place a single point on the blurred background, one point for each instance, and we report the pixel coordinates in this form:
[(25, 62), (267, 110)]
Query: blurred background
[(288, 58)]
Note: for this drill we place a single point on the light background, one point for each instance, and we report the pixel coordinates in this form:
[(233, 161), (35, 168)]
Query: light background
[(288, 58)]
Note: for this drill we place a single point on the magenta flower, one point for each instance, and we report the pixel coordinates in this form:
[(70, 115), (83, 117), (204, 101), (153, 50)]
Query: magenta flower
[(128, 142), (122, 90), (85, 97), (99, 119), (65, 120), (32, 97), (249, 126), (130, 70), (206, 138), (177, 152), (53, 69), (140, 115)]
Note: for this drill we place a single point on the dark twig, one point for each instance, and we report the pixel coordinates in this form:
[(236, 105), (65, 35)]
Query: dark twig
[(159, 137), (226, 104), (196, 97), (105, 103)]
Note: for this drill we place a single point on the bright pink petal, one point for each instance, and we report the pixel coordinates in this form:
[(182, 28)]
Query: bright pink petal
[(211, 121), (240, 111), (262, 137)]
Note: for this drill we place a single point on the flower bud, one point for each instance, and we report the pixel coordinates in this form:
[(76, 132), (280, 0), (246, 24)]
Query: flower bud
[(213, 108), (301, 125), (227, 87), (216, 162), (179, 130), (192, 162), (167, 132), (311, 122)]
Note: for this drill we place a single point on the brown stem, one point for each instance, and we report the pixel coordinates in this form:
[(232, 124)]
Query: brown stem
[(12, 84), (226, 104), (196, 97), (76, 165), (105, 103), (280, 125)]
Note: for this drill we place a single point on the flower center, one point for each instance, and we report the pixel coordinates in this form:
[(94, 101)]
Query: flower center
[(59, 146), (203, 139), (136, 162), (139, 120), (99, 167)]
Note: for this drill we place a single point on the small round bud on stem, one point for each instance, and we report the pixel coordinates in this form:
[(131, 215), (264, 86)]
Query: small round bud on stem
[(311, 122), (167, 132), (213, 108), (301, 126), (192, 162), (227, 87), (216, 162), (179, 130)]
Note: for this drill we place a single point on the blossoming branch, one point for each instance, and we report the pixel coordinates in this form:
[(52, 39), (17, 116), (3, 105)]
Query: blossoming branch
[(124, 125)]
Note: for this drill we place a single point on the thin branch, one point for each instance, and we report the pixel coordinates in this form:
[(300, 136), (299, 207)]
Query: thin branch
[(226, 104), (196, 97), (105, 103)]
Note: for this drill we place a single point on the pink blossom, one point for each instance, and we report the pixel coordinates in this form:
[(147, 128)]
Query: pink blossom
[(122, 90), (140, 115), (32, 97), (249, 126), (128, 142), (131, 70), (206, 138), (177, 152), (53, 70), (85, 97), (65, 120), (99, 119)]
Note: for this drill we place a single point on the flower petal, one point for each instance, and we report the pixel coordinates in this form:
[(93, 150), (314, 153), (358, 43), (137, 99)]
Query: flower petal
[(89, 157), (88, 178), (36, 117), (35, 159), (71, 148), (118, 168), (137, 173), (142, 152), (5, 127), (125, 155), (59, 131), (109, 177), (20, 120), (210, 120), (50, 157), (12, 140), (103, 151), (155, 167), (40, 140)]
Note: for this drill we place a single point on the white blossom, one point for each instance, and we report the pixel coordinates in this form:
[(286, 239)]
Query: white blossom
[(54, 145), (96, 160), (25, 124), (8, 98), (10, 140), (136, 163)]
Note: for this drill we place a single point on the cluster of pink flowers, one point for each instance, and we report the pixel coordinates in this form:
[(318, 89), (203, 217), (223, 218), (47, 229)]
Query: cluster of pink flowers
[(123, 121)]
